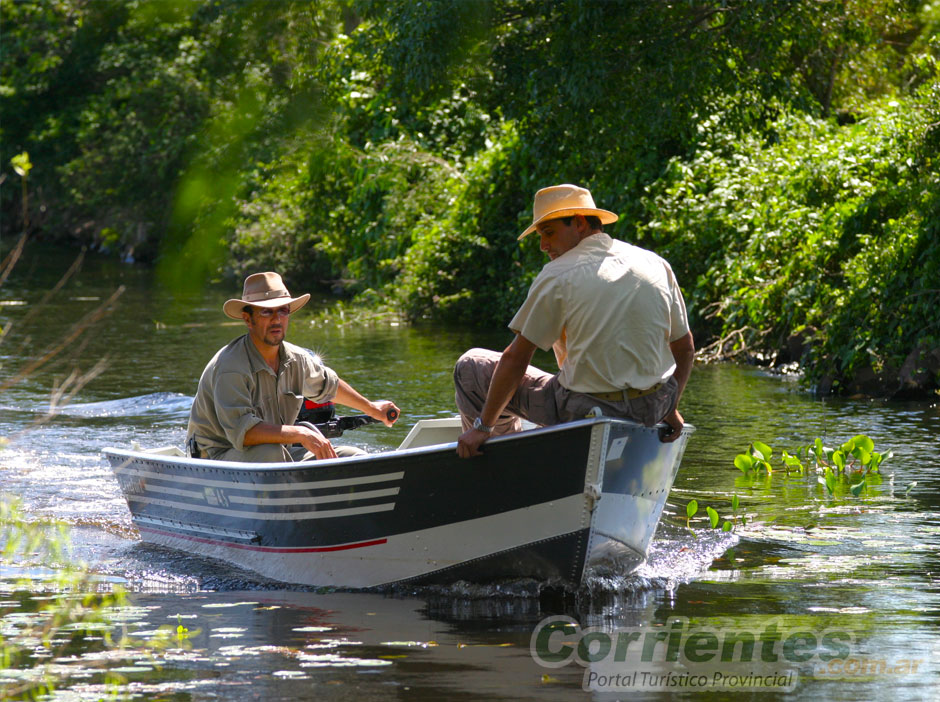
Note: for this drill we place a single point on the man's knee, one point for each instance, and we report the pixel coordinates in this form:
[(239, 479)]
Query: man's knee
[(299, 453), (348, 451), (260, 453), (470, 360), (472, 374), (475, 367)]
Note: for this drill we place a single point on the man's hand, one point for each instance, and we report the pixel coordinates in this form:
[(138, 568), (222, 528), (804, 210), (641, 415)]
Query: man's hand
[(507, 375), (470, 442), (380, 410), (316, 443), (675, 422)]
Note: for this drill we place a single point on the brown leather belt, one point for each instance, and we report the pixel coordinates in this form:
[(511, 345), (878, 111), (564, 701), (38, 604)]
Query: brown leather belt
[(625, 394)]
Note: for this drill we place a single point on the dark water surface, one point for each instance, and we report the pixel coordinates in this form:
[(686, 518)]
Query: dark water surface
[(850, 586)]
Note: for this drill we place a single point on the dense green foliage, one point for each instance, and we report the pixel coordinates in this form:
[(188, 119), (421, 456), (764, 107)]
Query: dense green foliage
[(826, 235), (782, 154)]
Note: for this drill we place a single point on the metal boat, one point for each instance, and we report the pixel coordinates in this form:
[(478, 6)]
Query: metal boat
[(551, 503)]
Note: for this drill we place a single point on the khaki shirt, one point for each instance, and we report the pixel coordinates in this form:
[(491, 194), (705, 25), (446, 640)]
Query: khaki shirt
[(610, 310), (238, 390)]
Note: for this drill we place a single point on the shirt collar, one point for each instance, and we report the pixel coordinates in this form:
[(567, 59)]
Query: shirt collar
[(256, 360), (600, 240)]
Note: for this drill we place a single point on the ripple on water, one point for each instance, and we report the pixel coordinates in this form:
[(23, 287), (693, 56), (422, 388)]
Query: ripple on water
[(156, 403)]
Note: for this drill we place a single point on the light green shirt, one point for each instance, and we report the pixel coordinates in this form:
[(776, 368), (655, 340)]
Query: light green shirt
[(238, 390), (610, 311)]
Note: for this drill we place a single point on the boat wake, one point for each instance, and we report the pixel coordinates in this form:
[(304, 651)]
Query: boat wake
[(675, 556), (162, 404)]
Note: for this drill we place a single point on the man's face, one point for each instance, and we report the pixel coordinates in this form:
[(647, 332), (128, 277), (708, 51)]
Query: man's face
[(556, 237), (267, 326)]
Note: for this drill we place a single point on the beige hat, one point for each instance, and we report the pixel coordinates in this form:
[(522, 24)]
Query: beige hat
[(263, 290), (565, 201)]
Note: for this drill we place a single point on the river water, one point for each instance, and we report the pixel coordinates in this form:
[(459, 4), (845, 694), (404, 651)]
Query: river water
[(848, 585)]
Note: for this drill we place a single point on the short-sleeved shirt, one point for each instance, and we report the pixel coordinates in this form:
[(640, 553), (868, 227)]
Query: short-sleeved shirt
[(610, 310), (238, 390)]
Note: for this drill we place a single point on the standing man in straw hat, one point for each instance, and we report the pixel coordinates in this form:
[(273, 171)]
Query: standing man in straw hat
[(612, 312), (252, 389)]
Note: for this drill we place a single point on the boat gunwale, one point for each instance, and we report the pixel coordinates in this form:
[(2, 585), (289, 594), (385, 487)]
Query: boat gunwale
[(243, 466)]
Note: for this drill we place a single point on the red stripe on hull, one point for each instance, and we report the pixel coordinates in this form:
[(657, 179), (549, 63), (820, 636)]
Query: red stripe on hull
[(266, 549)]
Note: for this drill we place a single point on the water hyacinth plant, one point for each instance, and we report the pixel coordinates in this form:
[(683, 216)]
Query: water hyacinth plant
[(849, 468), (851, 464), (714, 519)]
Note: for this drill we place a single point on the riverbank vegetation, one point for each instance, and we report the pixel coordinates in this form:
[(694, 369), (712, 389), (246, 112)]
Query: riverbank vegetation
[(783, 155)]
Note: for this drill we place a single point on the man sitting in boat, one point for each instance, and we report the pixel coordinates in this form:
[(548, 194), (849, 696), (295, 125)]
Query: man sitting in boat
[(612, 312), (252, 389)]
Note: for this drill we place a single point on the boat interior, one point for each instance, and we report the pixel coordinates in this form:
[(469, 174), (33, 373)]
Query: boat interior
[(425, 432)]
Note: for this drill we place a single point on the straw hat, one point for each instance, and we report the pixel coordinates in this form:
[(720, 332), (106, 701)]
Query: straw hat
[(263, 290), (565, 201)]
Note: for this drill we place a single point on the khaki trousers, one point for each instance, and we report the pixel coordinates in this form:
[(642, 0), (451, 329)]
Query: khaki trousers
[(279, 453), (541, 399)]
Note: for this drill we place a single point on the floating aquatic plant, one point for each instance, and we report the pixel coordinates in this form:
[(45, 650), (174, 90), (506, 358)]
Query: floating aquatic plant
[(848, 468)]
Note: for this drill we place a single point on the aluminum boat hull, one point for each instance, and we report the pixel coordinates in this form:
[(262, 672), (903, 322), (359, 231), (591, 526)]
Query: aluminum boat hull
[(550, 504)]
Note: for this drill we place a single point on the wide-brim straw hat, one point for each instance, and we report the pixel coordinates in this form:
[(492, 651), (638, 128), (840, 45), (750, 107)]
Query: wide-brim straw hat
[(264, 290), (564, 201)]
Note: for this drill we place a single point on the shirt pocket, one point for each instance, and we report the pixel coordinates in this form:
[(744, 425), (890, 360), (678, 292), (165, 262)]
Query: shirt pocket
[(290, 404)]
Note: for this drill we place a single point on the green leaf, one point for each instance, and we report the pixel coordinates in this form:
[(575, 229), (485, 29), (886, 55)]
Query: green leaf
[(838, 458), (712, 516), (743, 462), (735, 502), (691, 508), (727, 526), (864, 442), (21, 164), (862, 455), (830, 481), (857, 488), (761, 451)]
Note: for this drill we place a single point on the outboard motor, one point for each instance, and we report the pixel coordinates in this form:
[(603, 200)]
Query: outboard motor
[(322, 415), (316, 412)]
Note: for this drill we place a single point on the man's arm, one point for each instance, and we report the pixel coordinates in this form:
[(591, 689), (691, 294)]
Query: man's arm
[(347, 395), (504, 383), (683, 352), (310, 439)]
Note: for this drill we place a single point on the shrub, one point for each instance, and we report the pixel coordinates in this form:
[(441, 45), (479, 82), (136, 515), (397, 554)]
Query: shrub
[(827, 231)]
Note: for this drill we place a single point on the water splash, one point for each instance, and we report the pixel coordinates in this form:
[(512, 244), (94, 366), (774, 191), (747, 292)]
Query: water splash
[(675, 556)]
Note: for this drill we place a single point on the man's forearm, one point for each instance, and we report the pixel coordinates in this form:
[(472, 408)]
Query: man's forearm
[(264, 433), (350, 397), (683, 352), (506, 378), (509, 372)]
